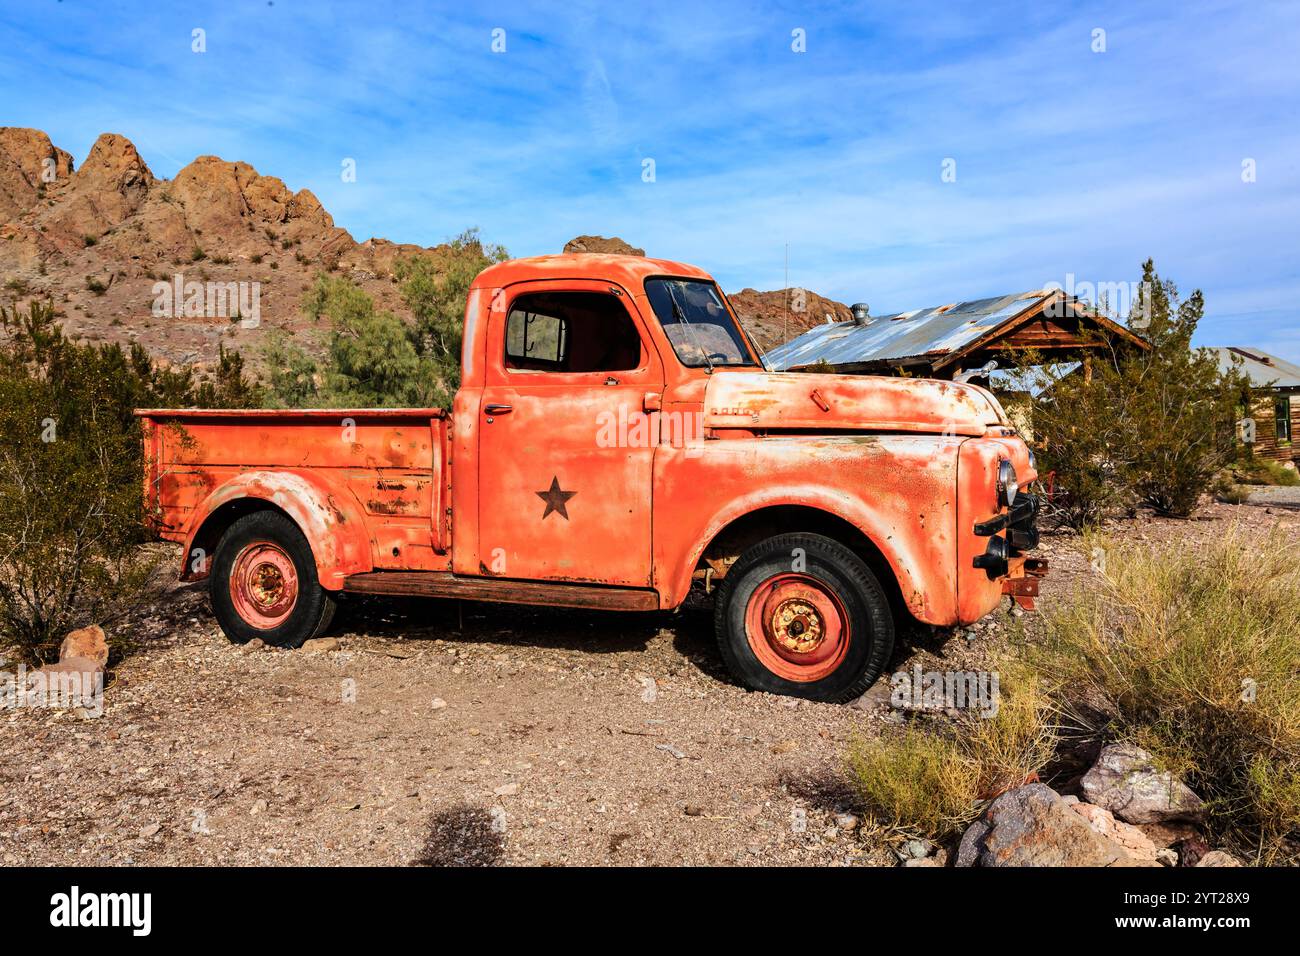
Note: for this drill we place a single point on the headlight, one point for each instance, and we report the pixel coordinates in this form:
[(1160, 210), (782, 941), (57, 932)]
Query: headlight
[(1007, 485), (1033, 462)]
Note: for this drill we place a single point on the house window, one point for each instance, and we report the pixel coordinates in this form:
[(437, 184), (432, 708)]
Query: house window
[(1282, 420)]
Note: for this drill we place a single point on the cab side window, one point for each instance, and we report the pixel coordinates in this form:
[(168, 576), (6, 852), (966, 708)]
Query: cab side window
[(571, 332)]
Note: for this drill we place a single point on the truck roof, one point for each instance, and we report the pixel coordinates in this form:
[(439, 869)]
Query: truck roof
[(628, 271)]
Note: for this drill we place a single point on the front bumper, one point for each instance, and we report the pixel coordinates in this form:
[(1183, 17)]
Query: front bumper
[(1011, 535)]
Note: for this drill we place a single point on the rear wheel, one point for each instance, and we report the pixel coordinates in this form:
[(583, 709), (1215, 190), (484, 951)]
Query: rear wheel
[(263, 583), (802, 615)]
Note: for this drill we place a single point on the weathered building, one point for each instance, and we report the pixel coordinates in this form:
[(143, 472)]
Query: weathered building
[(1276, 414), (944, 341)]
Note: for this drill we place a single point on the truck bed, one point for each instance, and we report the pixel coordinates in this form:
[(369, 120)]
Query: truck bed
[(384, 468)]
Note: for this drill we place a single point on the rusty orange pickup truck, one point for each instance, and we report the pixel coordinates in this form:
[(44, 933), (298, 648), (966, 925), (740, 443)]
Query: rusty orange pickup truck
[(616, 441)]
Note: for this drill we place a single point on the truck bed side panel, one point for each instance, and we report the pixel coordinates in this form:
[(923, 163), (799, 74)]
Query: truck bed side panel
[(386, 466)]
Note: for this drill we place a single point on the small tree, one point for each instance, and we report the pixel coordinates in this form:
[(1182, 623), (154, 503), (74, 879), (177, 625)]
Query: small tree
[(1184, 406), (375, 358), (1132, 427), (435, 285), (371, 358)]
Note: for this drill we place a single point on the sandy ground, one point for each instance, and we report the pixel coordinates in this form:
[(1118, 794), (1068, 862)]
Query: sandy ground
[(484, 734)]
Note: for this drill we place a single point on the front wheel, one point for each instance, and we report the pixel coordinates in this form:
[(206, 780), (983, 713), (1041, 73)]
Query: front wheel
[(264, 585), (802, 615)]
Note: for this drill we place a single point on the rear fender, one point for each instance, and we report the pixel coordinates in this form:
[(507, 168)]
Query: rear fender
[(332, 522)]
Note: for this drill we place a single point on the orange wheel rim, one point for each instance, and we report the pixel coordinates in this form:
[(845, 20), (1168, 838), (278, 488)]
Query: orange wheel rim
[(797, 627), (263, 585)]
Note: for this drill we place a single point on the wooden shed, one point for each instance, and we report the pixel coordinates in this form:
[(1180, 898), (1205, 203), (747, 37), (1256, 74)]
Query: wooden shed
[(944, 341), (1276, 414)]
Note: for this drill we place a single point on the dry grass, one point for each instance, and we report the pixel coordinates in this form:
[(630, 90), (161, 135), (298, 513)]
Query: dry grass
[(1195, 656), (933, 783)]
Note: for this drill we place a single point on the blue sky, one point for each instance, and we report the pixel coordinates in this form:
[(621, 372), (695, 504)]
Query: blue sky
[(1068, 161)]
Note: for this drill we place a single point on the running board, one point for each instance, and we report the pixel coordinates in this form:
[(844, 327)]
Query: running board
[(442, 584)]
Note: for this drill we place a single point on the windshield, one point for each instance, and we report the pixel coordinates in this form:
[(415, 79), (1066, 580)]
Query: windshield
[(697, 323)]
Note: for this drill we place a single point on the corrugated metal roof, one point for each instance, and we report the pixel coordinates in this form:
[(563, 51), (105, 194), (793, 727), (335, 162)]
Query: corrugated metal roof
[(904, 335), (1263, 369)]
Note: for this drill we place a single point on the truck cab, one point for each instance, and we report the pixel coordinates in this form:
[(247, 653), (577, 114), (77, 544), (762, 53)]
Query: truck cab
[(615, 442)]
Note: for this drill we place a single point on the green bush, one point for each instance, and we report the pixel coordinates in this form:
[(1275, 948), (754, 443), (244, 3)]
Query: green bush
[(1262, 471), (1136, 427), (375, 358), (71, 474)]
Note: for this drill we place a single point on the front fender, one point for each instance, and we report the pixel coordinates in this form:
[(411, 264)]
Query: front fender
[(919, 552), (330, 519)]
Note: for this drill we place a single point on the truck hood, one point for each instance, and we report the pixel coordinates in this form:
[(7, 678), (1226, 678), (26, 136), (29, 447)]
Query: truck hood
[(798, 400)]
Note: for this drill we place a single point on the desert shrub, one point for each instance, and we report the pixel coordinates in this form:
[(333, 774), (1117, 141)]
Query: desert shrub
[(375, 358), (1151, 427), (370, 359), (917, 781), (1262, 471), (434, 286), (71, 474), (1192, 654), (935, 781), (1229, 492)]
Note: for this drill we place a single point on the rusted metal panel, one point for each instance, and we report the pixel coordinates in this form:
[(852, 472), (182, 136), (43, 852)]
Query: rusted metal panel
[(760, 400), (895, 489), (551, 594), (944, 336), (564, 491), (357, 481)]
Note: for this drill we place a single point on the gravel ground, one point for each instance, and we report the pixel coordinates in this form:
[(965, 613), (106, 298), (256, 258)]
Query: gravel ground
[(477, 734)]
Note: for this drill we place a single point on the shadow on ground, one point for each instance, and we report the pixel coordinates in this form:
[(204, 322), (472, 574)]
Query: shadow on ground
[(463, 836)]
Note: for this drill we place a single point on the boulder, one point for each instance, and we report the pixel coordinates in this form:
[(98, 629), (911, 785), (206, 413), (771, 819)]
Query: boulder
[(73, 665), (1033, 826), (1126, 781), (1218, 858), (600, 244), (1134, 841), (86, 642)]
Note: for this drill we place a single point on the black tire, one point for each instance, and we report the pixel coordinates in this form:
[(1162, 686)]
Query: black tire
[(313, 609), (845, 577)]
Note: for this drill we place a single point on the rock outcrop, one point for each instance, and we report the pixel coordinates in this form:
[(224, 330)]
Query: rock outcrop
[(1034, 826), (1126, 781), (29, 163), (780, 315), (613, 245)]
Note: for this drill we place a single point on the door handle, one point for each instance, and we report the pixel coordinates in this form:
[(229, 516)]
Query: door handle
[(496, 409)]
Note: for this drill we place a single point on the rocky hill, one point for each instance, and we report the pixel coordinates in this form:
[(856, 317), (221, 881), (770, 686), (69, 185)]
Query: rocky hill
[(103, 240), (780, 315), (99, 239)]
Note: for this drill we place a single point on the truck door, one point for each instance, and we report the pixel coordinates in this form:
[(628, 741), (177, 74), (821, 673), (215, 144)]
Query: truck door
[(565, 442)]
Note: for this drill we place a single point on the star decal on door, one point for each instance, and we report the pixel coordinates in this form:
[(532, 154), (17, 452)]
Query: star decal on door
[(555, 499)]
